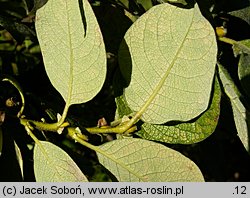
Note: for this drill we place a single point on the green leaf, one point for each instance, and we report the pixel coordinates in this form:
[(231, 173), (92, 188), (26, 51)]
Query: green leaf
[(125, 3), (136, 160), (180, 133), (73, 49), (147, 4), (168, 59), (244, 69), (52, 164), (19, 157), (242, 14), (241, 115), (183, 2), (190, 132), (241, 47)]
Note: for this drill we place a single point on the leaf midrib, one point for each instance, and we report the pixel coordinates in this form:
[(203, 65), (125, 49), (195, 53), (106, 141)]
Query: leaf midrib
[(50, 161), (71, 59), (71, 71), (163, 79), (119, 162)]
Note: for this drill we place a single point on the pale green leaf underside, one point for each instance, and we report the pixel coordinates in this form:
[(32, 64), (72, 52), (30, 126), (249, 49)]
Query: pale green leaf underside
[(173, 54), (241, 116), (52, 164), (180, 133), (73, 49), (137, 160)]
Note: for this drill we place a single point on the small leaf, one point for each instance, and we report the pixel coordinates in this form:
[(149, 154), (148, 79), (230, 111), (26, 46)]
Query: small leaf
[(73, 49), (37, 4), (183, 2), (125, 3), (241, 115), (147, 4), (242, 14), (52, 164), (136, 160), (168, 59), (244, 69), (241, 47), (19, 157)]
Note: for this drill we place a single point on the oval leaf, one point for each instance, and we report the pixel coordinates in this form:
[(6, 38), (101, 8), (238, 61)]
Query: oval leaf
[(73, 49), (134, 160), (240, 113), (168, 59), (52, 164)]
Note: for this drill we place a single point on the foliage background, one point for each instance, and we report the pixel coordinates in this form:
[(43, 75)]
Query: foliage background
[(221, 157)]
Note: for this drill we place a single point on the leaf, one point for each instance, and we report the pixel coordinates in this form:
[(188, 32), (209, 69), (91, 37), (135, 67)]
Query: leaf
[(241, 115), (37, 4), (73, 49), (18, 30), (183, 2), (125, 3), (241, 47), (242, 14), (136, 160), (147, 4), (19, 157), (244, 69), (52, 164), (168, 60)]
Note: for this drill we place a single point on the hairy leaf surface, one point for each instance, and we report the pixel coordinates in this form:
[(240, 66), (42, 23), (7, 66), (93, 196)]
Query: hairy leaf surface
[(168, 59), (136, 160), (73, 49), (52, 164)]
